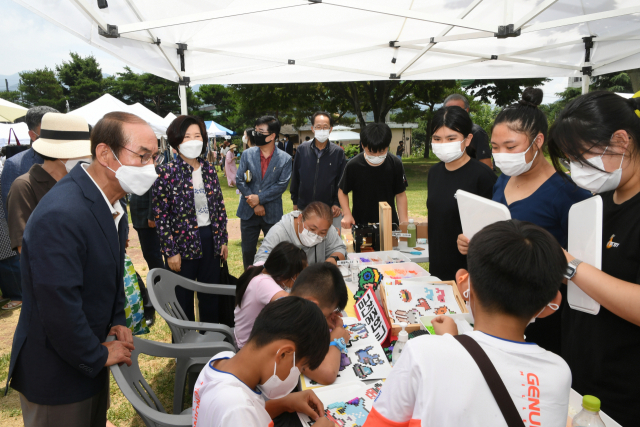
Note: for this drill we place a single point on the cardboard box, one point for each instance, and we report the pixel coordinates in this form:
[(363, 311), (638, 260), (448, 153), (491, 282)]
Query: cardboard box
[(423, 230), (395, 328)]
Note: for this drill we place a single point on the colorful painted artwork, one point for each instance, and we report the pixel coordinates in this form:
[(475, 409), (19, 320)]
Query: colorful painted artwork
[(426, 299), (365, 357), (405, 295), (368, 277), (357, 331)]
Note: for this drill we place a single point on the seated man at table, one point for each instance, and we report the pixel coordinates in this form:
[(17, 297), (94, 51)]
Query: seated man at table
[(515, 271)]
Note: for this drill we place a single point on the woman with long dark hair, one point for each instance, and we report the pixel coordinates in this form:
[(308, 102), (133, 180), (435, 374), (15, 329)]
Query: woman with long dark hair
[(599, 133), (261, 284)]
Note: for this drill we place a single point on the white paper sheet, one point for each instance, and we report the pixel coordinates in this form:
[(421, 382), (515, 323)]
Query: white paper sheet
[(476, 212), (406, 300)]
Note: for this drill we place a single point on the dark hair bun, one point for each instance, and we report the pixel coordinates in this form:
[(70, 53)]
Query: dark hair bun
[(532, 97)]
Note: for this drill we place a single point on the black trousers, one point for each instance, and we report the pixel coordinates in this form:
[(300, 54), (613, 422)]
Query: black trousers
[(250, 232), (150, 245)]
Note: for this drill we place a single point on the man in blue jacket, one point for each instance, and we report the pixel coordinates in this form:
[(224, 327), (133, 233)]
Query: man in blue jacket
[(317, 169), (72, 279), (262, 177)]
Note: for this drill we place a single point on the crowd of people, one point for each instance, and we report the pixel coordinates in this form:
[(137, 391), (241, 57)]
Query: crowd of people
[(64, 239)]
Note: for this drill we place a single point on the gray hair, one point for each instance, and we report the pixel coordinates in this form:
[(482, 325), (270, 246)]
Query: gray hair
[(457, 97), (35, 114)]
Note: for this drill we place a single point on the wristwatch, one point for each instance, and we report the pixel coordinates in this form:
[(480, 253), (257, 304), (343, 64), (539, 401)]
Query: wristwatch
[(340, 345), (572, 267), (335, 257)]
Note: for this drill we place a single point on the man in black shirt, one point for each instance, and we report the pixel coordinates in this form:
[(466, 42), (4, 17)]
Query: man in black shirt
[(374, 177), (479, 148)]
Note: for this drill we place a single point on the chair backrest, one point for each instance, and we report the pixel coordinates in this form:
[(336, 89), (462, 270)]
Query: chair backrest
[(161, 285)]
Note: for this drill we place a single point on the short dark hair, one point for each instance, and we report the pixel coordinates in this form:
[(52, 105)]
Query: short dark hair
[(35, 114), (376, 137), (321, 113), (319, 209), (515, 267), (457, 97), (524, 116), (455, 118), (285, 262), (306, 138), (272, 123), (297, 320), (109, 131), (178, 128), (324, 282)]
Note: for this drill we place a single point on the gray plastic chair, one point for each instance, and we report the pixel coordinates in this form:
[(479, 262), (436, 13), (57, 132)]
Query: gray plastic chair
[(136, 389), (161, 285)]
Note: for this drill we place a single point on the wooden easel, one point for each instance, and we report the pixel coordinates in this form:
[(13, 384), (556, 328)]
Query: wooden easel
[(386, 226)]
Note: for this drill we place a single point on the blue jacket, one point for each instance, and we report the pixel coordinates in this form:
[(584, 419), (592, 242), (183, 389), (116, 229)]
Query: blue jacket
[(72, 266), (13, 168), (269, 189)]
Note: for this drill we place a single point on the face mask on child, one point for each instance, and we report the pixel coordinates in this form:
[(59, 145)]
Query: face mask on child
[(514, 164), (448, 151), (275, 388), (593, 177), (375, 160)]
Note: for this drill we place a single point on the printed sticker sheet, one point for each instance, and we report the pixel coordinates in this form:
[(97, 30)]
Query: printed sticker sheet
[(408, 302), (347, 405), (365, 359)]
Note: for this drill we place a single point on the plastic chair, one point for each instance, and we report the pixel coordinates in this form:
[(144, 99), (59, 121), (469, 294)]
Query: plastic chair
[(161, 285), (139, 393)]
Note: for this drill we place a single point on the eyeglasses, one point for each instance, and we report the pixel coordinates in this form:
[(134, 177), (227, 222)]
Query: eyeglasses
[(319, 127), (144, 158), (258, 132)]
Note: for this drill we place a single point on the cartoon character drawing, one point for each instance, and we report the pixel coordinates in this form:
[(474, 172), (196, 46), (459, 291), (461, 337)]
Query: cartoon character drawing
[(344, 361), (413, 315), (348, 414), (441, 310), (357, 331), (372, 393), (362, 371), (367, 278), (366, 358), (405, 295), (423, 303), (428, 293), (400, 315), (440, 293)]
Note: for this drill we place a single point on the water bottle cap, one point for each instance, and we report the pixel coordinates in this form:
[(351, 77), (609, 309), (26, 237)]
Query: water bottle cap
[(410, 221), (591, 403)]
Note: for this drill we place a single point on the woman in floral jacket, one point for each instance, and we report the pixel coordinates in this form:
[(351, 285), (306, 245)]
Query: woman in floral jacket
[(191, 219)]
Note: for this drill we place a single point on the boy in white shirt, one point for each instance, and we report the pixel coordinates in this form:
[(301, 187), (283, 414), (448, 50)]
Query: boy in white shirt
[(515, 270), (289, 334)]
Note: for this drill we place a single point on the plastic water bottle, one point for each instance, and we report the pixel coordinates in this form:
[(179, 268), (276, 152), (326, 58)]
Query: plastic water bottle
[(411, 229), (403, 337), (590, 414)]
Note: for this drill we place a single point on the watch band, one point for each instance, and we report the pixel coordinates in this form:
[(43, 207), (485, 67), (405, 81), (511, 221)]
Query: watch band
[(340, 345), (335, 257), (573, 266)]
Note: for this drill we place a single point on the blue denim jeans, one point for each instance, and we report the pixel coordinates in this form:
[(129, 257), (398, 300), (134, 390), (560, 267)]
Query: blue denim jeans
[(10, 284)]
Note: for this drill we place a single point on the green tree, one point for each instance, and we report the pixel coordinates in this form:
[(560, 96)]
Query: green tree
[(40, 87), (82, 80), (502, 91)]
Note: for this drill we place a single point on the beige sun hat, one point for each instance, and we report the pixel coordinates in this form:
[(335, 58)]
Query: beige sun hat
[(63, 136)]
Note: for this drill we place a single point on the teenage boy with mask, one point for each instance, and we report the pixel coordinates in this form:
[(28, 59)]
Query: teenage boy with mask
[(515, 271), (374, 177), (317, 169), (289, 335), (262, 177)]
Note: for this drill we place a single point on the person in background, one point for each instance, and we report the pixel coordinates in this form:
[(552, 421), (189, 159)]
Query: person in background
[(400, 149), (479, 148), (311, 231), (374, 177), (247, 139), (190, 216), (72, 280), (455, 171), (532, 189), (293, 157), (223, 154), (21, 163), (318, 168), (9, 268), (599, 133), (262, 177), (286, 145), (265, 283), (230, 168), (515, 270), (306, 139)]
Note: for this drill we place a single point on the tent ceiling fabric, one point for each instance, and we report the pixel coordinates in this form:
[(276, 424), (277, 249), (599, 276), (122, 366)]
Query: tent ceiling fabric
[(275, 41)]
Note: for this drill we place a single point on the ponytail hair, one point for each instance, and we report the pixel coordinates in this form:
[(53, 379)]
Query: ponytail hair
[(285, 262), (524, 116)]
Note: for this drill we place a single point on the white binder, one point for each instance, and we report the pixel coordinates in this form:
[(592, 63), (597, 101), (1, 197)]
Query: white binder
[(476, 212)]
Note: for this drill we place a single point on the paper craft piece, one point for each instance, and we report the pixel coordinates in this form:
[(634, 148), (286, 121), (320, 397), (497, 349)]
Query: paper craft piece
[(369, 310), (403, 270), (426, 299), (347, 405), (476, 212), (365, 358), (368, 277)]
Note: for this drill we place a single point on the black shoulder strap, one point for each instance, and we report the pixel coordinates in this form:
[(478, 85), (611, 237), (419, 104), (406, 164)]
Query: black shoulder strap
[(491, 376)]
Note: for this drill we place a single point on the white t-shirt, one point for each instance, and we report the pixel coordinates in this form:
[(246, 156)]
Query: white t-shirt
[(436, 382), (220, 399), (200, 196)]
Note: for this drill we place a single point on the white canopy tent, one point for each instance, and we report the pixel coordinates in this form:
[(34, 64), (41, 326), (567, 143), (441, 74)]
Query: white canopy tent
[(200, 41), (10, 111), (169, 118), (214, 131), (343, 133)]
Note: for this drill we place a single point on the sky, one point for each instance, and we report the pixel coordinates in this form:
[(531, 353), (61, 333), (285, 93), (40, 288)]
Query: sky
[(32, 42)]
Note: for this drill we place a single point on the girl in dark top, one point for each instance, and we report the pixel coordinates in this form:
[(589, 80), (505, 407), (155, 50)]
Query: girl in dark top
[(456, 171), (600, 134), (532, 189)]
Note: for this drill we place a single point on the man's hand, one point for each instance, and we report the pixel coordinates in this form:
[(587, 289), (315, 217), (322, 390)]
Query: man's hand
[(305, 402), (126, 245), (253, 200), (463, 244), (336, 211), (224, 253), (347, 222), (122, 333), (444, 325), (259, 210), (119, 352), (152, 224), (175, 262)]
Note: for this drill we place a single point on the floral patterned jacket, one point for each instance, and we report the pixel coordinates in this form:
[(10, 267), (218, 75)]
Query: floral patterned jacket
[(175, 209)]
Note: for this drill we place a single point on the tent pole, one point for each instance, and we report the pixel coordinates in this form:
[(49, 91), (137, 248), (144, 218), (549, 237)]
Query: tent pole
[(183, 99), (587, 69), (586, 81)]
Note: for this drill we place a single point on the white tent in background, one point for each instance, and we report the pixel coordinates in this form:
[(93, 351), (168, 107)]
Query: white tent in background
[(215, 131), (343, 133), (169, 118), (156, 122), (21, 132), (10, 111)]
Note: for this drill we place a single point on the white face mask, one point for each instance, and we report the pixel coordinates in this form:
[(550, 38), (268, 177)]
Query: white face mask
[(309, 239), (448, 151), (191, 149), (552, 306), (275, 388), (514, 164), (72, 162), (244, 139), (594, 180), (133, 179), (375, 160), (322, 135)]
